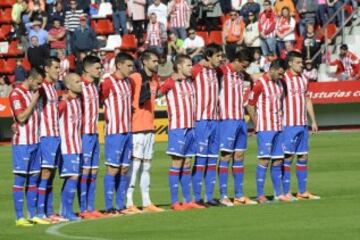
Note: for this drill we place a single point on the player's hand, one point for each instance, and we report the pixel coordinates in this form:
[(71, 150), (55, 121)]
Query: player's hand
[(35, 96), (314, 127), (13, 128)]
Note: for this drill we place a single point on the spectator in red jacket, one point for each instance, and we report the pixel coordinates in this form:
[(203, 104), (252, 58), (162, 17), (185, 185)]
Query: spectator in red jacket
[(267, 23)]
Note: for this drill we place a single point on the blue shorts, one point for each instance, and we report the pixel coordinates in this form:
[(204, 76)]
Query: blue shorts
[(296, 140), (70, 165), (50, 151), (118, 149), (233, 135), (181, 142), (26, 159), (207, 138), (91, 151), (270, 144)]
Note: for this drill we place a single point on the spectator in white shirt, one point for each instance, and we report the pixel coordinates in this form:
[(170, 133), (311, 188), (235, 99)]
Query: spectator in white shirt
[(160, 10), (193, 44)]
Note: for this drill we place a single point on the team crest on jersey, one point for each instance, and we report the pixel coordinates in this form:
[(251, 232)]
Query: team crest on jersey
[(17, 104)]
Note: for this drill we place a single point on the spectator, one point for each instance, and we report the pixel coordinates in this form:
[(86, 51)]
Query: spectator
[(16, 11), (322, 12), (237, 4), (179, 13), (38, 14), (311, 45), (347, 64), (137, 13), (252, 35), (156, 35), (307, 11), (84, 4), (72, 22), (267, 23), (79, 62), (40, 3), (211, 14), (160, 10), (288, 47), (285, 29), (20, 73), (280, 4), (37, 53), (112, 66), (258, 65), (41, 34), (119, 16), (5, 87), (64, 67), (175, 46), (193, 44), (250, 6), (226, 6), (233, 34), (310, 71), (333, 6), (84, 38), (57, 37), (58, 13)]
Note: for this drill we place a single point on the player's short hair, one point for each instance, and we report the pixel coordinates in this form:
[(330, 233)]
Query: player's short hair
[(277, 64), (122, 57), (90, 60), (243, 55), (212, 49), (292, 55), (147, 54), (36, 72), (267, 1), (49, 61), (344, 47), (180, 60)]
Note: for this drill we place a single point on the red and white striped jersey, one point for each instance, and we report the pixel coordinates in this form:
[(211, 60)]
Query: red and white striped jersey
[(231, 97), (294, 106), (49, 113), (26, 133), (70, 125), (153, 34), (180, 101), (350, 62), (267, 23), (267, 96), (179, 13), (116, 94), (90, 107), (206, 87)]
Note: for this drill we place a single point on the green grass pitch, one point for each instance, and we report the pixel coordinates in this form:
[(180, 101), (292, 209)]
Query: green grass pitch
[(334, 174)]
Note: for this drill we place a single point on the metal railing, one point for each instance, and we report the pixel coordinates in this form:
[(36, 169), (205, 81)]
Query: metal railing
[(324, 30)]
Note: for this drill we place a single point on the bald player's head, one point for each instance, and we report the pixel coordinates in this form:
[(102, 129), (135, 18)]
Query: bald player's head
[(72, 82)]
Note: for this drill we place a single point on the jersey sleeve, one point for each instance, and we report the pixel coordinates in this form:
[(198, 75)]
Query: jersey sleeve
[(105, 88), (17, 103), (255, 93), (62, 107), (196, 70), (167, 86)]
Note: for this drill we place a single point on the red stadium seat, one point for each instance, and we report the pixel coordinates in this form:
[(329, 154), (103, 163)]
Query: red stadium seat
[(11, 78), (5, 29), (205, 36), (26, 64), (14, 51), (348, 9), (104, 27), (129, 42), (331, 30), (8, 67), (2, 65), (7, 3), (72, 61), (5, 15), (216, 37)]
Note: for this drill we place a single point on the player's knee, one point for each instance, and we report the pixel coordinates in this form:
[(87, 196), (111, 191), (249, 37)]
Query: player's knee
[(85, 171), (46, 173), (112, 170), (74, 177), (94, 171), (277, 162), (225, 156), (264, 162), (303, 157), (187, 163), (239, 156), (177, 162), (146, 166), (289, 157), (124, 170)]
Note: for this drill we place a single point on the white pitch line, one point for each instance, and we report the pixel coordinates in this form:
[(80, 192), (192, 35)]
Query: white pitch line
[(55, 231)]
